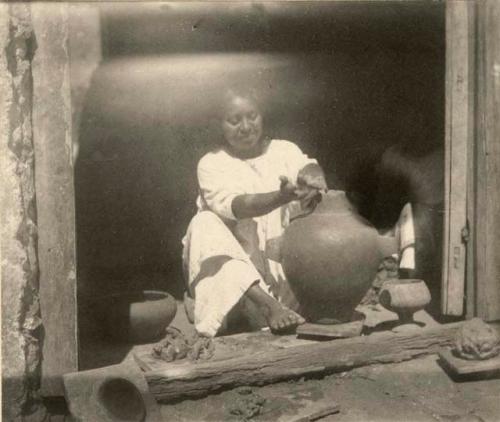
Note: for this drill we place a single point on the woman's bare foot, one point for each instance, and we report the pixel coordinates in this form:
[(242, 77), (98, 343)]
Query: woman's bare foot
[(282, 319), (279, 318)]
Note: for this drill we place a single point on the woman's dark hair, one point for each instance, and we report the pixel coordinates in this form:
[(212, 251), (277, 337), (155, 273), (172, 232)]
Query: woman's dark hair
[(242, 91)]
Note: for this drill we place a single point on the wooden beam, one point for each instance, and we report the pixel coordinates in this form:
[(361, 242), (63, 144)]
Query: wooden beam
[(199, 379)]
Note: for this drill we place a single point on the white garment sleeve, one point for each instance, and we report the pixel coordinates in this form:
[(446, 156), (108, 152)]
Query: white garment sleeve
[(405, 230), (218, 188)]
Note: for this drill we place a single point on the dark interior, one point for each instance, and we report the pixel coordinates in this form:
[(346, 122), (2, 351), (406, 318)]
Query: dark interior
[(345, 81)]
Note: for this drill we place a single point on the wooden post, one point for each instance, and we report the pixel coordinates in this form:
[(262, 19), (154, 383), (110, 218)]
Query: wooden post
[(470, 261), (487, 233), (54, 194), (459, 134)]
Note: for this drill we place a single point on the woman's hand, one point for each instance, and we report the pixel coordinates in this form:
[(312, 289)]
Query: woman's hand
[(312, 176), (311, 184), (308, 195), (288, 190), (255, 205)]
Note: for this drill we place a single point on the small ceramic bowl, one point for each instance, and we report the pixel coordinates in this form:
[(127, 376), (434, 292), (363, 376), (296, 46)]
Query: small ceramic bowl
[(136, 317), (404, 297)]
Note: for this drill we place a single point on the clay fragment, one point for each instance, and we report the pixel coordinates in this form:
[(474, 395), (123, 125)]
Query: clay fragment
[(172, 347), (476, 340), (176, 346)]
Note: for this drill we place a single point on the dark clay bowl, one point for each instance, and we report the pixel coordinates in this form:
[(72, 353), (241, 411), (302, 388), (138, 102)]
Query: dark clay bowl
[(404, 295), (136, 317)]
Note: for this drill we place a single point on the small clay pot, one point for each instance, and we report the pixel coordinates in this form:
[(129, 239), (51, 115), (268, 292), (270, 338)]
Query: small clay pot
[(136, 317), (404, 297)]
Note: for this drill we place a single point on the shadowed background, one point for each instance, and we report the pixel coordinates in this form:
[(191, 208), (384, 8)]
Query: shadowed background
[(343, 80)]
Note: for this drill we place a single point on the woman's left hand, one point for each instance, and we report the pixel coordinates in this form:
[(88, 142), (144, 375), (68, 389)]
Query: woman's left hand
[(312, 177), (312, 182)]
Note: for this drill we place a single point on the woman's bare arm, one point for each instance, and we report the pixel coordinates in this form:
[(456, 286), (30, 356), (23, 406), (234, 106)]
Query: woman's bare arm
[(310, 182), (255, 205)]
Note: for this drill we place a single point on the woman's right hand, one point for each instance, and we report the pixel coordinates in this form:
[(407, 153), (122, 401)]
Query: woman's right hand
[(288, 190), (307, 195)]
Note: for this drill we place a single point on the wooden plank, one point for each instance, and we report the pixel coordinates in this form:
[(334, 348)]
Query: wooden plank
[(470, 275), (321, 358), (464, 366), (459, 132), (375, 319), (226, 347), (487, 236), (55, 195)]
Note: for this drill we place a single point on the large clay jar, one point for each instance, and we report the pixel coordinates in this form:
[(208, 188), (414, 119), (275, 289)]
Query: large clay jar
[(330, 258)]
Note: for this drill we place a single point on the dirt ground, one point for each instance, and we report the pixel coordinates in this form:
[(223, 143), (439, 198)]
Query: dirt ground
[(417, 390)]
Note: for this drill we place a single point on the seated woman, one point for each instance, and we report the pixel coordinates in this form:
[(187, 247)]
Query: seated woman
[(248, 188)]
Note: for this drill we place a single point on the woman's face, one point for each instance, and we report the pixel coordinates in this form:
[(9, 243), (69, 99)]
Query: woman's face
[(242, 126)]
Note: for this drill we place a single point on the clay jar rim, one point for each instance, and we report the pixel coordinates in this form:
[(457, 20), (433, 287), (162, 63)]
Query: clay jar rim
[(334, 200), (136, 296)]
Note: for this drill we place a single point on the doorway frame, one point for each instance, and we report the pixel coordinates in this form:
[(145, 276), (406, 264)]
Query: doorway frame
[(470, 146)]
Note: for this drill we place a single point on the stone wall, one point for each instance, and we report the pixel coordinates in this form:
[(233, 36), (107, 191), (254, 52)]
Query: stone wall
[(22, 330)]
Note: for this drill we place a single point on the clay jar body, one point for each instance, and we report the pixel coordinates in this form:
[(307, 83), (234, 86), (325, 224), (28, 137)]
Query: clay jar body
[(330, 258)]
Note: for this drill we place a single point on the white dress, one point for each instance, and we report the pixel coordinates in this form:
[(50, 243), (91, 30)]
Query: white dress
[(217, 269)]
